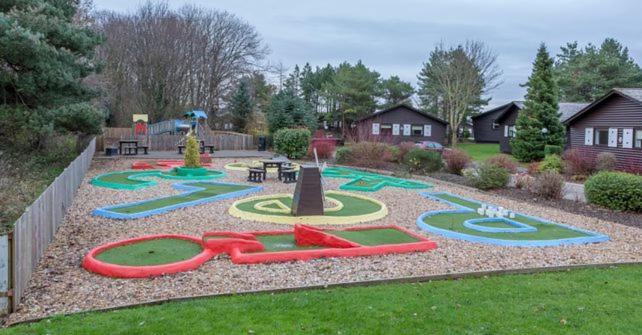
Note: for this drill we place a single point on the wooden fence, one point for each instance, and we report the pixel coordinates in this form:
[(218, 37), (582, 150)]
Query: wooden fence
[(222, 140), (35, 229)]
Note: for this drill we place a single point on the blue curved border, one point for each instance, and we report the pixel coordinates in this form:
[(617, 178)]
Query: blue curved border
[(518, 226), (185, 186), (593, 238), (147, 183)]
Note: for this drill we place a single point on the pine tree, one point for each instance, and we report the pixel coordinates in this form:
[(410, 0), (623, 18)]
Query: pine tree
[(538, 123), (241, 106), (287, 110), (192, 159)]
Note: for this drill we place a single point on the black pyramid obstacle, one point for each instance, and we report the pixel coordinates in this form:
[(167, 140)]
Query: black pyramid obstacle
[(308, 194)]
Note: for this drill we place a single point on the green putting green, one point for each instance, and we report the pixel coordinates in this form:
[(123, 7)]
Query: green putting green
[(351, 206), (210, 190), (151, 252), (455, 222), (369, 182), (371, 237), (281, 242), (136, 179)]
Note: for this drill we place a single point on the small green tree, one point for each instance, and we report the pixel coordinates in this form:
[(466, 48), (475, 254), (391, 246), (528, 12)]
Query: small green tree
[(287, 110), (192, 158), (538, 124)]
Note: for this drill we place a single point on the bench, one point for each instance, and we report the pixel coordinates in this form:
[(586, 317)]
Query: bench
[(256, 175), (287, 175), (144, 147), (209, 147)]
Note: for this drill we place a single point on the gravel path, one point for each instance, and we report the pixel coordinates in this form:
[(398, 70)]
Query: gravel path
[(61, 285)]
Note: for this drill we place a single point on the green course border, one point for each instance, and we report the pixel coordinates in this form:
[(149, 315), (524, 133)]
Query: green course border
[(370, 182), (138, 183)]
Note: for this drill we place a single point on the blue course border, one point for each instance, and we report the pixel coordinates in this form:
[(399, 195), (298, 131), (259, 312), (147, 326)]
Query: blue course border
[(185, 186), (593, 238), (147, 183), (474, 224)]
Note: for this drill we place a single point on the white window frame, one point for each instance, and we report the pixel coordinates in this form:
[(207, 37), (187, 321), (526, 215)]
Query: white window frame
[(627, 138), (505, 130), (375, 128), (395, 129), (427, 130), (613, 137), (588, 136), (407, 130)]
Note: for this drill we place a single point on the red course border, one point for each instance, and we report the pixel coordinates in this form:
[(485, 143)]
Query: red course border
[(244, 248), (91, 263)]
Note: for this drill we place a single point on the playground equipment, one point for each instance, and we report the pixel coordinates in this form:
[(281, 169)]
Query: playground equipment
[(157, 255)]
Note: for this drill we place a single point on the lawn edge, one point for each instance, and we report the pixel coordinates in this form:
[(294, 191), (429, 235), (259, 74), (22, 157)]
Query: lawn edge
[(373, 282)]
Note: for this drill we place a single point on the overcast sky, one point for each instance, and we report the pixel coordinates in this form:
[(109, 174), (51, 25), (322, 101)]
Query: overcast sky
[(395, 37)]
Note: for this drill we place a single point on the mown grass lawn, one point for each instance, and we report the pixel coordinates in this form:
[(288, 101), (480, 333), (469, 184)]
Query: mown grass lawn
[(590, 301), (480, 151)]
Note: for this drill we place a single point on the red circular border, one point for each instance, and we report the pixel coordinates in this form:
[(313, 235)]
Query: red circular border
[(91, 263)]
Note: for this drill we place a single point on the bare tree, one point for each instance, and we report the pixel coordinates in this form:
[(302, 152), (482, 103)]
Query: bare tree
[(160, 62), (457, 78)]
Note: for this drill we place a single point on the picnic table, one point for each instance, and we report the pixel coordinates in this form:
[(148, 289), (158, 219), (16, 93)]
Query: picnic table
[(276, 163), (130, 147), (201, 146)]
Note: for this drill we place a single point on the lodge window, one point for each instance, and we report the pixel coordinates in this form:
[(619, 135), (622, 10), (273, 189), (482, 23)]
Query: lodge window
[(512, 132), (386, 129), (495, 125), (601, 137), (417, 130), (637, 138)]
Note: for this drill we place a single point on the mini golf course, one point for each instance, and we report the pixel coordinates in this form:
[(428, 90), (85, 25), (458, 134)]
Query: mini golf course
[(467, 223), (241, 166), (137, 179), (165, 254), (370, 182), (344, 208), (196, 193)]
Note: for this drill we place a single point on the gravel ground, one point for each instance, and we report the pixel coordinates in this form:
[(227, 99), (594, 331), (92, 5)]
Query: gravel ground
[(61, 285)]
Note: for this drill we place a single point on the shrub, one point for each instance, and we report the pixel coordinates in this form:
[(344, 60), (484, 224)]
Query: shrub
[(578, 162), (551, 163), (403, 149), (192, 158), (615, 190), (371, 154), (487, 176), (553, 150), (325, 149), (548, 184), (423, 161), (343, 155), (456, 160), (533, 168), (292, 143), (605, 161), (503, 161), (524, 181)]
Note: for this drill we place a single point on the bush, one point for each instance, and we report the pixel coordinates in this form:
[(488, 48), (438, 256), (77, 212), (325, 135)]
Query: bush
[(292, 143), (456, 160), (192, 158), (524, 181), (503, 161), (371, 154), (402, 150), (423, 161), (487, 176), (551, 163), (343, 155), (79, 118), (605, 161), (533, 168), (548, 184), (553, 150), (325, 149), (615, 190), (578, 162)]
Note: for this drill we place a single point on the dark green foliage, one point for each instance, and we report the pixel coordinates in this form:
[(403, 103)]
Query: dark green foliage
[(538, 124), (395, 91), (552, 163), (553, 150), (287, 110), (241, 106), (615, 190), (586, 74), (343, 155), (79, 118), (487, 176), (44, 58), (423, 161), (292, 143)]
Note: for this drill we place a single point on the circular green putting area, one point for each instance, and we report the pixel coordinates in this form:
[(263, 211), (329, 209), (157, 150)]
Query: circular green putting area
[(151, 252), (341, 208)]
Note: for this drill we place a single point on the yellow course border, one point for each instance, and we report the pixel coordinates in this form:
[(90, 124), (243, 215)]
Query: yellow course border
[(230, 166), (312, 219)]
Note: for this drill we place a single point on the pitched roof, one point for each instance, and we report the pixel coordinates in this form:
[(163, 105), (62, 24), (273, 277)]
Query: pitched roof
[(634, 94), (402, 105), (494, 110), (567, 109)]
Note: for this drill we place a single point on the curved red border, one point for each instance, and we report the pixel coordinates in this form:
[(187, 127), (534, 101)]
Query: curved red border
[(91, 263)]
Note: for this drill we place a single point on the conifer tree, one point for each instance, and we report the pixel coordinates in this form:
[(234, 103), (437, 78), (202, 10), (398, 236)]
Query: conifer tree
[(538, 123), (241, 106)]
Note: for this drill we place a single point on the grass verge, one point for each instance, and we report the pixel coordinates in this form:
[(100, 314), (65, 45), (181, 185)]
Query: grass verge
[(588, 301)]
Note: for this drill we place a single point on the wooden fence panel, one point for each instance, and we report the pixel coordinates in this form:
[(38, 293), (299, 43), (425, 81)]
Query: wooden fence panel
[(222, 140), (36, 228)]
